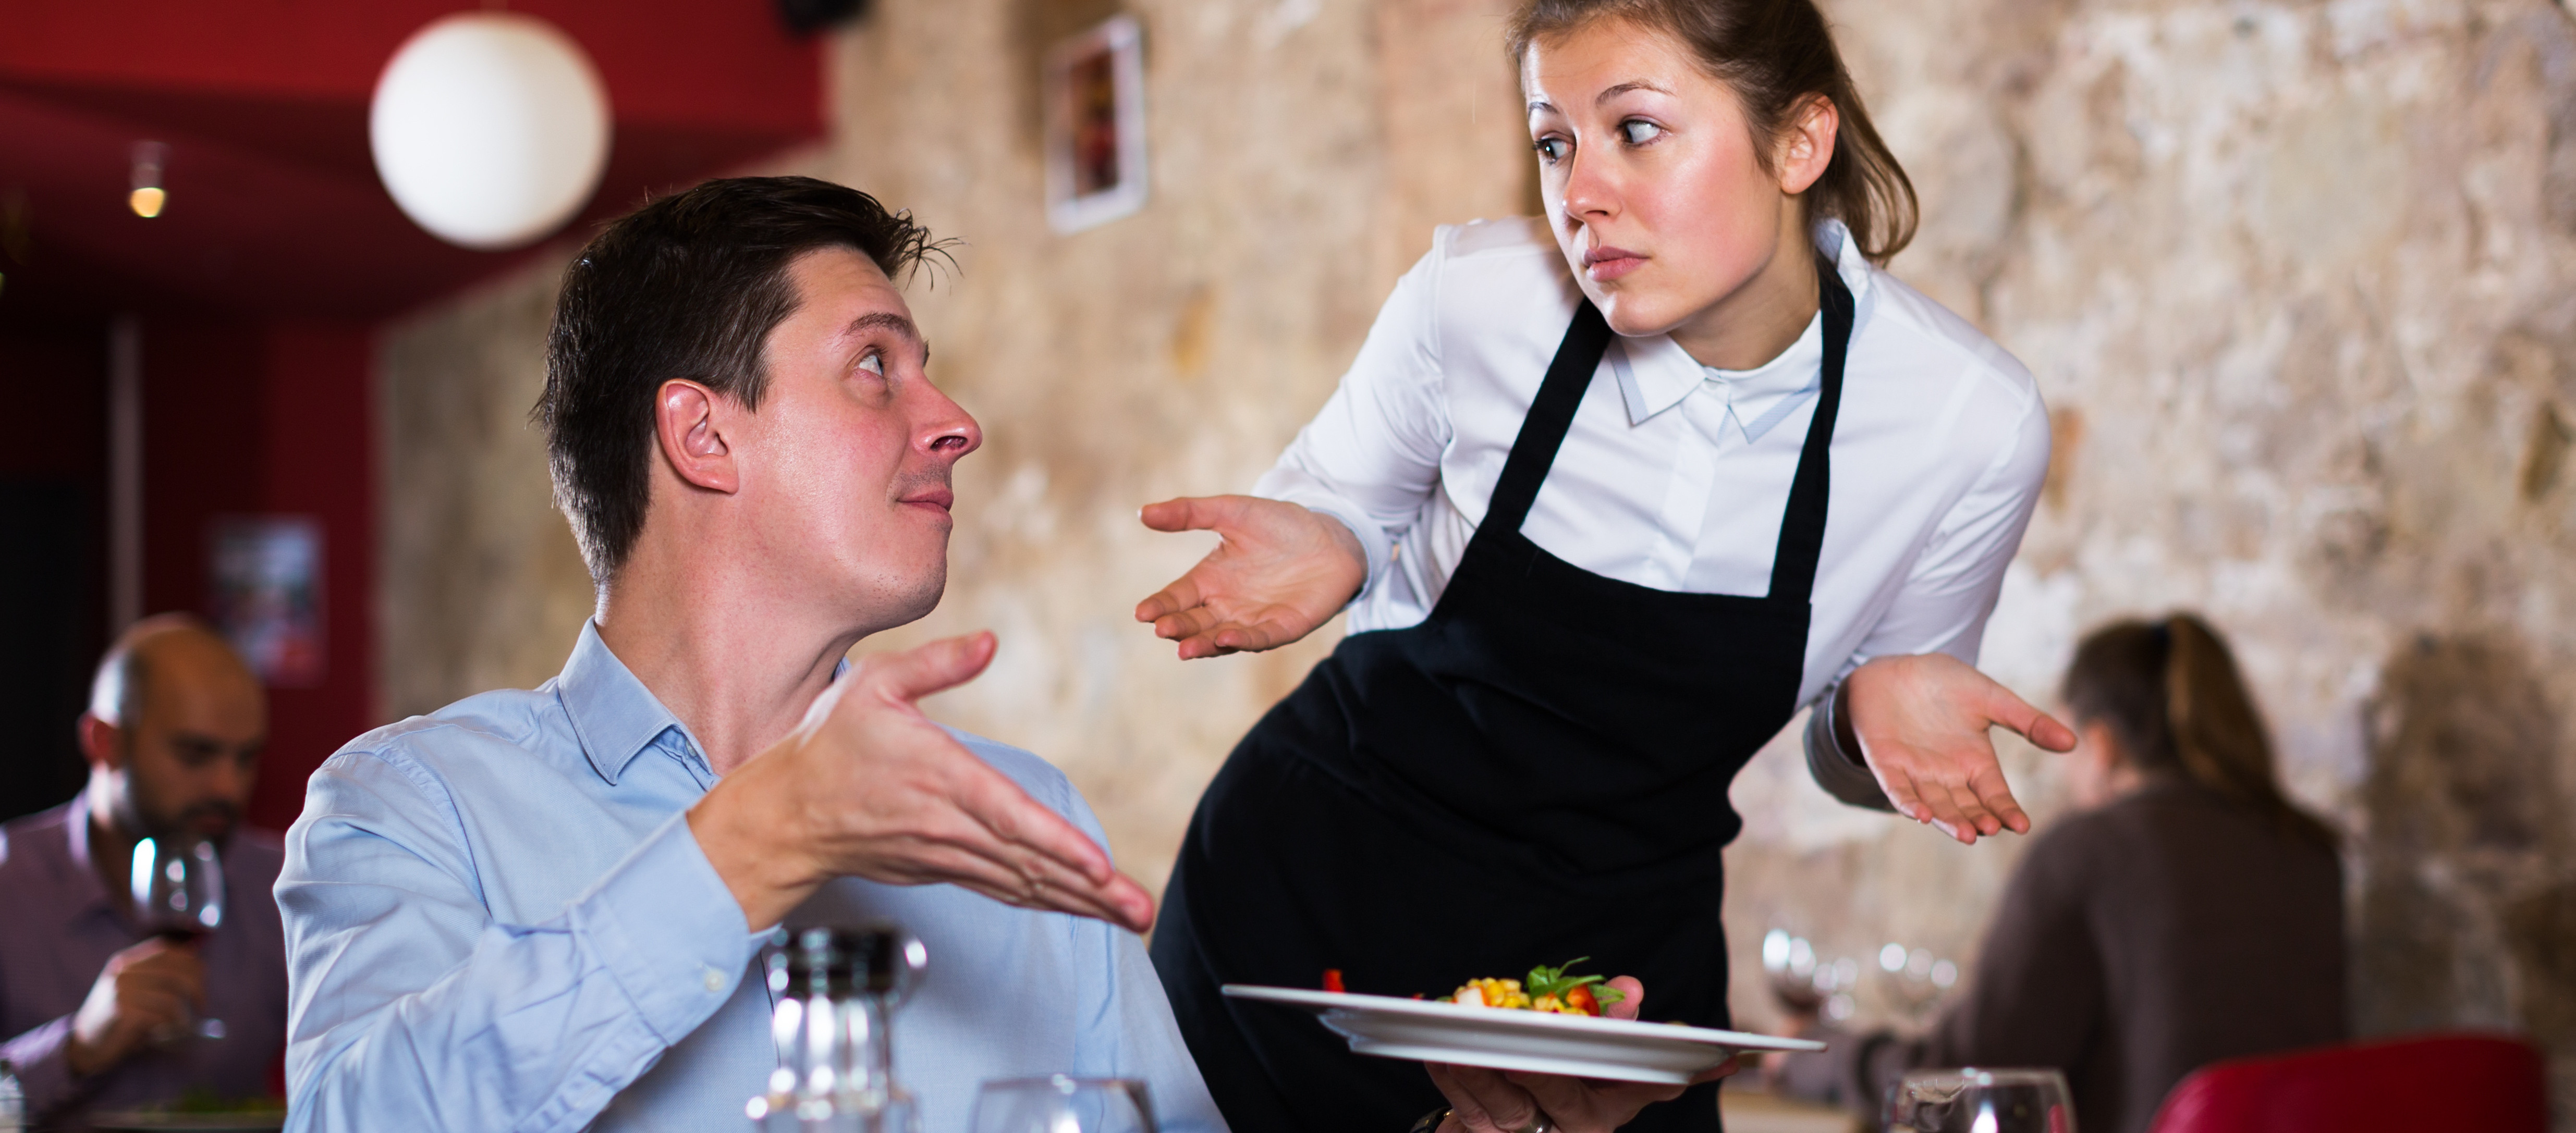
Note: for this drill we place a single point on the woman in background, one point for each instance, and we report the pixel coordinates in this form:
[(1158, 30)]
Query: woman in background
[(2187, 913)]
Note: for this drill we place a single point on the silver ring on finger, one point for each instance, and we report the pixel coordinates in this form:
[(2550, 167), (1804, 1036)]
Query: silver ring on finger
[(1540, 1124)]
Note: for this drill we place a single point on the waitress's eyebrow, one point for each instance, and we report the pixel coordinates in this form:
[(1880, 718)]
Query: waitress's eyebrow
[(1609, 93)]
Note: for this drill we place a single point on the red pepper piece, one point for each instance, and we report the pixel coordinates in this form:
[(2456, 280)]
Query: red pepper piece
[(1333, 980), (1582, 999)]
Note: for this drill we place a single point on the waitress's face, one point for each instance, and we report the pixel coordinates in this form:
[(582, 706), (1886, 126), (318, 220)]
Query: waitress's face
[(1651, 175)]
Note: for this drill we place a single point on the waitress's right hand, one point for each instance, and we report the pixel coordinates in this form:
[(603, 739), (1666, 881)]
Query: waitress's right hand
[(1281, 571)]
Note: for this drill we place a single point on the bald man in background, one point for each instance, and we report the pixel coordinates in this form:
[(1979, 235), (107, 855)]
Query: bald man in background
[(96, 1012)]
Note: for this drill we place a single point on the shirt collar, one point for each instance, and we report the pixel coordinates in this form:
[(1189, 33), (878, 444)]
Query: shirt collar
[(612, 712), (1655, 373)]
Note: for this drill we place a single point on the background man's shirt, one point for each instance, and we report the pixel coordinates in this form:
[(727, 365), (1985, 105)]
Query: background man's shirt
[(60, 927), (497, 918)]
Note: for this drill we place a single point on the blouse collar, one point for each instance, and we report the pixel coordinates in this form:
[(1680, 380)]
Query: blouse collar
[(1655, 373)]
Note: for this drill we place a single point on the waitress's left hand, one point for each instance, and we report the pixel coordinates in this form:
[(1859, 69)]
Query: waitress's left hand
[(1922, 722), (1510, 1101)]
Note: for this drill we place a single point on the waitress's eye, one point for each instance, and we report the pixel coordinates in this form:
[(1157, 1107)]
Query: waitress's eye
[(1638, 131), (873, 363), (1551, 149)]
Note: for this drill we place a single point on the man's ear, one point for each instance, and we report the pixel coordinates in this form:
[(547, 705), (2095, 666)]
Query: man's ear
[(684, 422), (1807, 146), (101, 743)]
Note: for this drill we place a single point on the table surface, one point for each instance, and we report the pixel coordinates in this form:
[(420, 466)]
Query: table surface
[(1754, 1111)]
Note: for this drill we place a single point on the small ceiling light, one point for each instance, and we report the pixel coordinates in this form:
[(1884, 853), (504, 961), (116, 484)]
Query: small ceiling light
[(148, 196)]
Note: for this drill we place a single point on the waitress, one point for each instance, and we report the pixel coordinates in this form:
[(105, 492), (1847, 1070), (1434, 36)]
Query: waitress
[(1608, 496)]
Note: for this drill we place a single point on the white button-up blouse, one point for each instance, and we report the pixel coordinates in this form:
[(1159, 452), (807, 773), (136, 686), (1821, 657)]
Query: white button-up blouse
[(1674, 475)]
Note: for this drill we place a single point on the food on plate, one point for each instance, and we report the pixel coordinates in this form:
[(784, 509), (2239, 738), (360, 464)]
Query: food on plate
[(1549, 990)]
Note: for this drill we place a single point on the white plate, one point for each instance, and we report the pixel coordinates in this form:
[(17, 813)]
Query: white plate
[(1433, 1030)]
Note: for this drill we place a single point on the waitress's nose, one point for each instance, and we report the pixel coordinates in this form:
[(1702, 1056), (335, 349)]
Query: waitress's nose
[(1591, 189)]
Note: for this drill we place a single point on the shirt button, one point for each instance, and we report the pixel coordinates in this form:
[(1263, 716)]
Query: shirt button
[(715, 980)]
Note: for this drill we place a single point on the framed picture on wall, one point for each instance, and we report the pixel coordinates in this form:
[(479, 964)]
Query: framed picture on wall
[(267, 581), (1095, 113)]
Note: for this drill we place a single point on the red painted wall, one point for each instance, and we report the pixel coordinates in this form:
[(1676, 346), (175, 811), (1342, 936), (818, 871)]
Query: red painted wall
[(268, 419)]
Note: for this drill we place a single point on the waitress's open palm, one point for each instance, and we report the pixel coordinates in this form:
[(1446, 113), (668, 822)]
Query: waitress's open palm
[(1923, 725), (1281, 571)]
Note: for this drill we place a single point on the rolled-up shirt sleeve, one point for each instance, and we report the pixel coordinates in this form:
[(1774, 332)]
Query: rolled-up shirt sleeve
[(412, 1007), (1371, 457)]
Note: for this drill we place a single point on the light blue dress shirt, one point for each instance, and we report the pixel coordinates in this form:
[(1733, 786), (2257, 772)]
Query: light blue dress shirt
[(497, 919)]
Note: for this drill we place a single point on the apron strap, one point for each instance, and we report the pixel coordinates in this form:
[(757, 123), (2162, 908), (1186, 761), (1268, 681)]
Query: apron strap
[(1802, 528), (1550, 415)]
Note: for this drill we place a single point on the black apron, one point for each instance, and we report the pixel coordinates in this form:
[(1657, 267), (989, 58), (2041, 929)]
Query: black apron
[(1538, 771)]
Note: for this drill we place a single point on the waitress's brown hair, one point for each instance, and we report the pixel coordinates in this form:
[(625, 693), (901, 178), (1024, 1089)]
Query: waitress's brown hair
[(1773, 54), (2170, 694)]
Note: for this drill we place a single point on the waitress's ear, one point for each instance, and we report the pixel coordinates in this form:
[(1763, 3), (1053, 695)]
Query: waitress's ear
[(1806, 145)]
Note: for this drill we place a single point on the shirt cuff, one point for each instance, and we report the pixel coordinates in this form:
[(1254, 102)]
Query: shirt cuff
[(41, 1058), (1373, 542), (1843, 774), (668, 930)]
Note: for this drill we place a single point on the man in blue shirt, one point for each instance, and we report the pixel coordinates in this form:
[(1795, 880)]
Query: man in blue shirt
[(534, 910)]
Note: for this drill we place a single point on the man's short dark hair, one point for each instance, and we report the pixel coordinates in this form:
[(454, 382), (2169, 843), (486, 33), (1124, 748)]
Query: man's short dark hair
[(688, 286)]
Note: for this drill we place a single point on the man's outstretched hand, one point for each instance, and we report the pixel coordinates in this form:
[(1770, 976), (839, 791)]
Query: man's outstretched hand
[(1922, 722), (867, 786), (1281, 571), (1507, 1101)]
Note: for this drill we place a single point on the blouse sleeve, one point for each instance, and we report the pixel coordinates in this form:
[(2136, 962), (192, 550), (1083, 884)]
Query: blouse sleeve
[(1946, 599), (1952, 588), (1371, 458)]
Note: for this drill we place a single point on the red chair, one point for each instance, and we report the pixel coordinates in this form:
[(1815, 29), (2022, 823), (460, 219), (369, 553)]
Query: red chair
[(2487, 1083)]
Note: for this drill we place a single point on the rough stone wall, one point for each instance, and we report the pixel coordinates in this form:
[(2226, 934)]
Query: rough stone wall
[(2299, 282), (2298, 278)]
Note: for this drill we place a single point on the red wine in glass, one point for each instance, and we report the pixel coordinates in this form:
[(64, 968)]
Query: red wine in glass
[(179, 897)]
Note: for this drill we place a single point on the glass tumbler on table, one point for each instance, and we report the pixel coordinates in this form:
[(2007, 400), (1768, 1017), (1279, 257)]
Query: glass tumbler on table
[(1973, 1100), (835, 992), (179, 896), (1060, 1103)]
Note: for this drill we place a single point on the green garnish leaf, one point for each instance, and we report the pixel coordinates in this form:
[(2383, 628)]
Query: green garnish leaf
[(1544, 980)]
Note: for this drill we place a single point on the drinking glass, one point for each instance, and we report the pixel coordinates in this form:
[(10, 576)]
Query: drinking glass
[(1059, 1103), (179, 897), (1972, 1100)]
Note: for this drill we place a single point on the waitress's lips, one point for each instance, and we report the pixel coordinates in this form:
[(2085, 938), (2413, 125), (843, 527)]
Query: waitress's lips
[(1606, 264)]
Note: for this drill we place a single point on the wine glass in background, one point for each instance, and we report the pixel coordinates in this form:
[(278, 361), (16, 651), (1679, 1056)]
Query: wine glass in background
[(1062, 1104), (1916, 980), (179, 897), (1790, 961), (1972, 1100), (1806, 983)]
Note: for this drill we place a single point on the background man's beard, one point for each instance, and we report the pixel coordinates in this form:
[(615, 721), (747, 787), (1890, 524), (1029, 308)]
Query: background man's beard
[(183, 825)]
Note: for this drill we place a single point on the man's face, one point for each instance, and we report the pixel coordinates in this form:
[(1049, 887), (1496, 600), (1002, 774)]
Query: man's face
[(187, 764), (847, 461)]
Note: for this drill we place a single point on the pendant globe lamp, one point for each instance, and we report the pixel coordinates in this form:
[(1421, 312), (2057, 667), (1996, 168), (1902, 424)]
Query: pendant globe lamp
[(490, 129)]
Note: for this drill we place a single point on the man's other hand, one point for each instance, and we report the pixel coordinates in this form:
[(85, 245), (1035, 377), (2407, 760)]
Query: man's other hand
[(1922, 722), (867, 786), (150, 989), (1280, 572), (1508, 1101)]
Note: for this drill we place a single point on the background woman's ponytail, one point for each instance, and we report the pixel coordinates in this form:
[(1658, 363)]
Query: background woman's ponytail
[(2170, 693), (1773, 54)]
